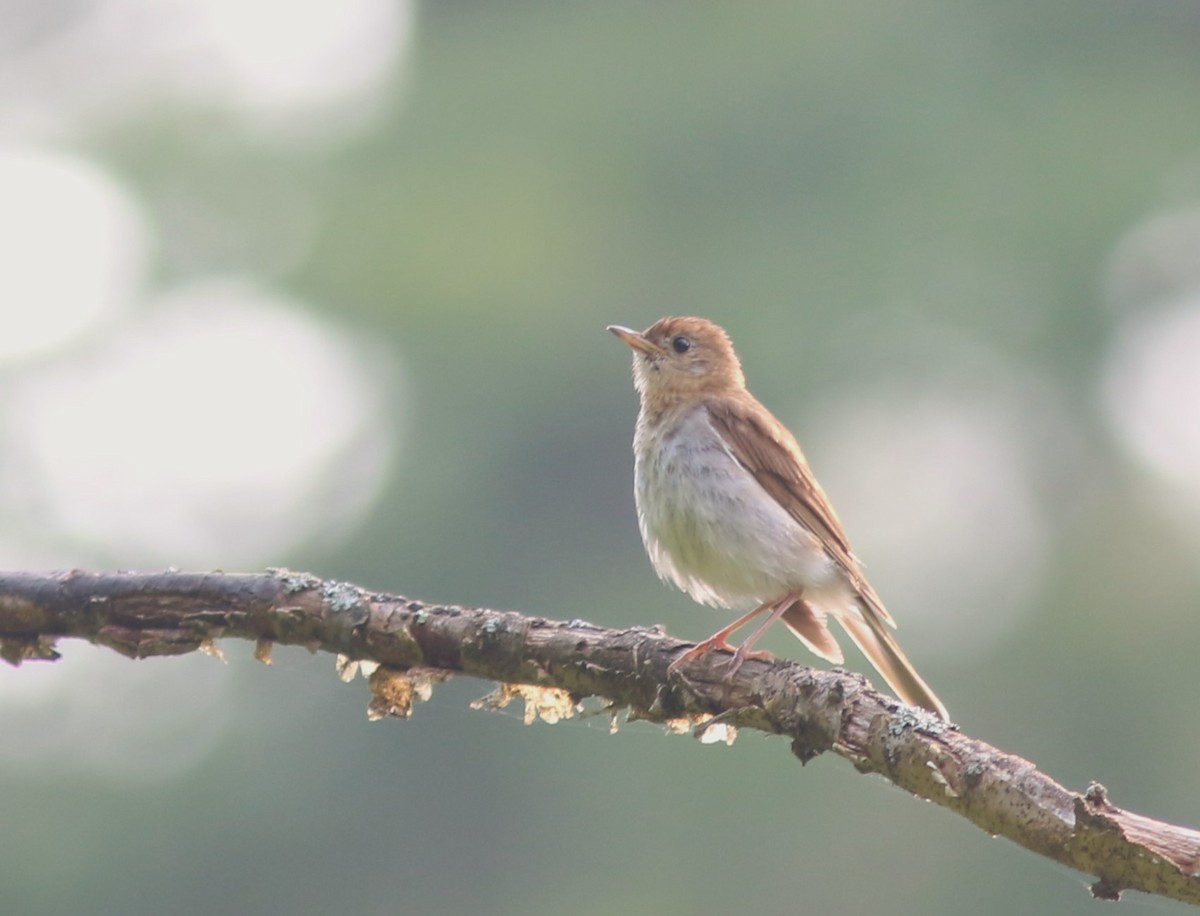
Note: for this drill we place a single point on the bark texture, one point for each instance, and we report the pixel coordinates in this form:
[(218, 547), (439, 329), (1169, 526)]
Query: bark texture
[(405, 646)]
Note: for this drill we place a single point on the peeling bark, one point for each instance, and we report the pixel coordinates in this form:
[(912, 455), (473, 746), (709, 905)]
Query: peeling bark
[(406, 646)]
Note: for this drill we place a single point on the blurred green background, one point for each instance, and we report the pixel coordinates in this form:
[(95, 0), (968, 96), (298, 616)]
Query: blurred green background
[(338, 302)]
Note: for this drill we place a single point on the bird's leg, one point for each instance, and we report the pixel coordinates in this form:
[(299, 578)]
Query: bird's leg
[(719, 639), (742, 652)]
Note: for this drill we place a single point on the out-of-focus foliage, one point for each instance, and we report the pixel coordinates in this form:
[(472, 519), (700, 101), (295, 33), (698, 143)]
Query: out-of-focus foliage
[(325, 286)]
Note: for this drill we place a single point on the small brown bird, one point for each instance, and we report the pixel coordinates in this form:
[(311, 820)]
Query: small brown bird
[(730, 512)]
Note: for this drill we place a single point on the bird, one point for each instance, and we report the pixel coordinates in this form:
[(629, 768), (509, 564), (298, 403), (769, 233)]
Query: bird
[(730, 512)]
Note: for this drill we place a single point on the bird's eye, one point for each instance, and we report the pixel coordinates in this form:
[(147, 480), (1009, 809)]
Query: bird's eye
[(681, 344)]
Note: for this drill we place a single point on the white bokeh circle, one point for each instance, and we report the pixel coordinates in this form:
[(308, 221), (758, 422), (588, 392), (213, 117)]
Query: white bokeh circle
[(314, 68), (956, 539), (97, 713), (1152, 392), (1157, 260), (74, 246), (224, 428)]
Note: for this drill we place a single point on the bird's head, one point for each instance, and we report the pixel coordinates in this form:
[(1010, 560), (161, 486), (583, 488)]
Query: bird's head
[(681, 357)]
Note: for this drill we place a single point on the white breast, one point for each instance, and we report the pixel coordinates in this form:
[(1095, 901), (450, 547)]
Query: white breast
[(711, 528)]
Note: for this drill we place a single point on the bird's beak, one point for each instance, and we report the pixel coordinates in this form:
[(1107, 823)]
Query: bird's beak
[(637, 341)]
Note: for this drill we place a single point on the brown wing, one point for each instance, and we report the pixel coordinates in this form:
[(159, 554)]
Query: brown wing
[(768, 451)]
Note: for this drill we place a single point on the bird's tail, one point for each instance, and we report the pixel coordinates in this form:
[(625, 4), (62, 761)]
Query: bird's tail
[(877, 644)]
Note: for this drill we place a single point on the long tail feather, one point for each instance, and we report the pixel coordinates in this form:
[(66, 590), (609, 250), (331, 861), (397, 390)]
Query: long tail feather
[(810, 628), (885, 654)]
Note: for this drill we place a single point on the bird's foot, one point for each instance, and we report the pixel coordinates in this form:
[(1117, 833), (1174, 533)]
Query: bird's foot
[(740, 655), (701, 648)]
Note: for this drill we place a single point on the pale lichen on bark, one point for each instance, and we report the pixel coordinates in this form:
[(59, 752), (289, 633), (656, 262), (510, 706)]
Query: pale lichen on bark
[(404, 647)]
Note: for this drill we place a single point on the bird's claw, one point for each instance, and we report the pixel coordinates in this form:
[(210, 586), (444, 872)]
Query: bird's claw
[(739, 658), (736, 660), (701, 648)]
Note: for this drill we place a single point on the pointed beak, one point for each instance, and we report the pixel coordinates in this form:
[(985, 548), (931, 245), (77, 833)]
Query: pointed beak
[(636, 340)]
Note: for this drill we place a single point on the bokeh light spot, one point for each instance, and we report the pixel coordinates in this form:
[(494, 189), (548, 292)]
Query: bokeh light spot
[(223, 430), (316, 68), (955, 539), (74, 249), (94, 712), (1152, 392)]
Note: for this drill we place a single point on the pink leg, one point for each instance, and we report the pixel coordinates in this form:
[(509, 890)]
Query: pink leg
[(719, 639), (742, 652)]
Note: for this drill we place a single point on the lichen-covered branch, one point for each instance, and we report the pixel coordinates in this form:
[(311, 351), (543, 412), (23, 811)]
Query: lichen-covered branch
[(408, 645)]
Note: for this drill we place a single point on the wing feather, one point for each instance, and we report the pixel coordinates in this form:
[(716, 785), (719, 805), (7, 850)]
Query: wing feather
[(763, 446)]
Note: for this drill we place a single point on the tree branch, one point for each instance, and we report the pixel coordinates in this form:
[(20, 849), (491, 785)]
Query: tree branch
[(414, 644)]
